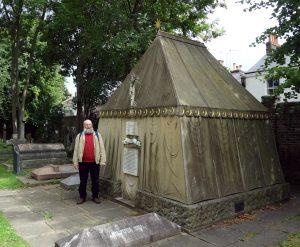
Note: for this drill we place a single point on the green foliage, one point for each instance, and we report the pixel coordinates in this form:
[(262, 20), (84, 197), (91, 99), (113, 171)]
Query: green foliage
[(287, 14), (98, 42), (8, 236), (3, 146), (8, 180), (4, 79), (292, 80), (292, 241), (42, 84), (249, 235), (47, 215)]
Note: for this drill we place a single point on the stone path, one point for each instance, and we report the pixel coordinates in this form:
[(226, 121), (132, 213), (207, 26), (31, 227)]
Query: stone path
[(266, 228), (41, 215)]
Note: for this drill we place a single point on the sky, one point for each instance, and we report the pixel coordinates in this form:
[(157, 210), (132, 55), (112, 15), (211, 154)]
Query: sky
[(241, 29)]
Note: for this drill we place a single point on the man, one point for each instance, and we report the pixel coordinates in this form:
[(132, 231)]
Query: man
[(88, 156)]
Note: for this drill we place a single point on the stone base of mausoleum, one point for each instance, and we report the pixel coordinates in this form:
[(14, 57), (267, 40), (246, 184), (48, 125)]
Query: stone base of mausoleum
[(194, 216)]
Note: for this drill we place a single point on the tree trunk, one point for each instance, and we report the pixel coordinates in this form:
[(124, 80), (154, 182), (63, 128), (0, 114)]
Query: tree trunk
[(14, 81), (28, 75), (15, 40), (79, 82)]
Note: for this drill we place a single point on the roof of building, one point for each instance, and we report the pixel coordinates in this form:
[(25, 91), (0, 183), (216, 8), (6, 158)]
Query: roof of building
[(260, 65), (176, 71)]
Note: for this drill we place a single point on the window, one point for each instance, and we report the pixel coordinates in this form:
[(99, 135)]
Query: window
[(272, 85), (243, 81)]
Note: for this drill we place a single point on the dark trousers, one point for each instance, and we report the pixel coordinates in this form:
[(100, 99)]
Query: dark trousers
[(84, 169)]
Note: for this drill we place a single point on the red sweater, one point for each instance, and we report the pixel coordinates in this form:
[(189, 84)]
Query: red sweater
[(88, 152)]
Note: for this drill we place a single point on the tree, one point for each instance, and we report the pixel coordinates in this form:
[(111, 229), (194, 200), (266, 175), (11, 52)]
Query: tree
[(23, 22), (287, 14), (99, 41), (5, 92)]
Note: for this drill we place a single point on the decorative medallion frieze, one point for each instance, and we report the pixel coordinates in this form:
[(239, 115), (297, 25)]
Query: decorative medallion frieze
[(182, 111)]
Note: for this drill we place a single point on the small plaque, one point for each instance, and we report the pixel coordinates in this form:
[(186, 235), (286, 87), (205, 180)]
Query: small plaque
[(131, 128), (130, 161)]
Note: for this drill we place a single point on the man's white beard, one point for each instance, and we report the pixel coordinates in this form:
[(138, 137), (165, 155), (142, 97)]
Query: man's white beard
[(88, 131)]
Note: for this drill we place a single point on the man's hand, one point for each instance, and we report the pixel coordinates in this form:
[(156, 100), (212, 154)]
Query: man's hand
[(75, 166)]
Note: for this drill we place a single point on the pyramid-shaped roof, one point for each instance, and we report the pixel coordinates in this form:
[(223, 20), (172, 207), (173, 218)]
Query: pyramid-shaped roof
[(175, 71)]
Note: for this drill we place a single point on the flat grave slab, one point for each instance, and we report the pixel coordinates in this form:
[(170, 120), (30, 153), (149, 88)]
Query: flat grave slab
[(71, 182), (53, 172), (133, 231)]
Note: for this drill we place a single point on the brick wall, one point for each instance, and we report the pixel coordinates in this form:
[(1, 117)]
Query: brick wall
[(286, 127)]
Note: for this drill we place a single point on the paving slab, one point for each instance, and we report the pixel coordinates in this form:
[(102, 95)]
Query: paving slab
[(45, 239), (50, 213), (267, 227), (32, 182), (32, 229), (180, 240), (222, 236), (66, 223)]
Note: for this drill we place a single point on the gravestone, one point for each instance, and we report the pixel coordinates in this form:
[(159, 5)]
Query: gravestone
[(53, 172), (71, 182), (34, 155), (134, 231)]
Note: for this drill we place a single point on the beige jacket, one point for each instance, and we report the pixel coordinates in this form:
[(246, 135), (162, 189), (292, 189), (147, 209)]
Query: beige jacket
[(99, 150)]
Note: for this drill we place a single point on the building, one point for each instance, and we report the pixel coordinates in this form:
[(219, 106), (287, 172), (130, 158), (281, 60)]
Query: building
[(254, 78), (68, 107), (177, 134)]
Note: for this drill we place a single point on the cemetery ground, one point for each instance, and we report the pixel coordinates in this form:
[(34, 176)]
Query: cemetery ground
[(41, 215)]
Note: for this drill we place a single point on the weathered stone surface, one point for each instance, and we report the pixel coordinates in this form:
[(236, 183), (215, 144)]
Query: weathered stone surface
[(71, 182), (195, 216), (135, 231), (33, 155), (40, 147), (53, 172), (111, 188), (181, 240)]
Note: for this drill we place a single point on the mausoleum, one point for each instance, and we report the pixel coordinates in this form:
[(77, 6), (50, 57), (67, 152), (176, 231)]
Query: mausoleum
[(184, 139)]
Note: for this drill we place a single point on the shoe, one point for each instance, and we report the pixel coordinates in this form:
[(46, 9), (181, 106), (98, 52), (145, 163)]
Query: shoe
[(96, 200), (80, 201)]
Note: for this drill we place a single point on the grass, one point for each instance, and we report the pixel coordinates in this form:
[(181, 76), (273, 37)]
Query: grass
[(47, 215), (8, 180), (3, 146), (248, 236), (8, 236), (292, 241)]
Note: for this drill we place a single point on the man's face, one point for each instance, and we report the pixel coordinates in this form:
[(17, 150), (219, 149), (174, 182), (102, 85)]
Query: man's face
[(88, 125)]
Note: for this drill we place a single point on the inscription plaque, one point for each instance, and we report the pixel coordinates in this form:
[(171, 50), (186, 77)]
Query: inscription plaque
[(131, 128), (130, 161)]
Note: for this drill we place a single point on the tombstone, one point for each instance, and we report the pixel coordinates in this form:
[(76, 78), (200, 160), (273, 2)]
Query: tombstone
[(53, 172), (34, 155), (71, 182), (204, 150), (133, 231)]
